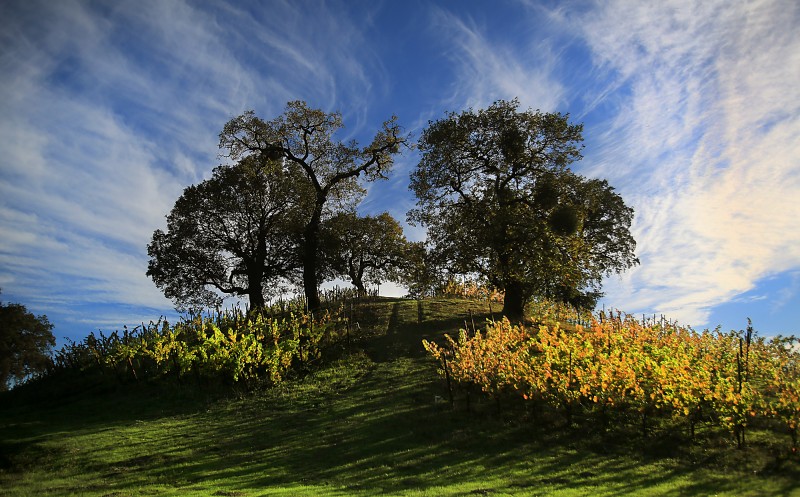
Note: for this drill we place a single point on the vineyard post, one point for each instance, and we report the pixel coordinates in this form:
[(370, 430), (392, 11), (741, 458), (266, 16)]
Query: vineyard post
[(175, 364), (127, 338), (447, 378), (744, 374), (91, 342), (133, 369), (748, 338), (468, 388), (300, 341), (473, 321), (644, 421), (310, 332), (739, 427), (348, 320), (567, 403)]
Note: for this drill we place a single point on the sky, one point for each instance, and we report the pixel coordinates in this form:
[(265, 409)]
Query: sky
[(691, 110)]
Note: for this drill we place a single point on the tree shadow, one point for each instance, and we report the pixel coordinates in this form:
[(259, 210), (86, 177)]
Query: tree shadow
[(383, 431)]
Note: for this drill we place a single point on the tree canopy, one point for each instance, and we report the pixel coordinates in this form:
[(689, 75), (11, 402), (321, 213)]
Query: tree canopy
[(304, 138), (25, 344), (236, 233), (496, 193), (368, 249), (422, 273), (494, 189)]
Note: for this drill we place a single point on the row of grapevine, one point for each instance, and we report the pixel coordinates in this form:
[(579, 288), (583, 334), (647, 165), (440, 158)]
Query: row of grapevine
[(229, 347), (470, 289), (616, 363)]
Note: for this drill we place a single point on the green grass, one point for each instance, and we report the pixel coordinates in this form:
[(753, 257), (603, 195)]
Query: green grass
[(370, 423)]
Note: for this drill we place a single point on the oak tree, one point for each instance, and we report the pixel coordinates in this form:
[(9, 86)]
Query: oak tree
[(368, 249), (423, 272), (25, 344), (495, 191), (236, 233), (304, 137)]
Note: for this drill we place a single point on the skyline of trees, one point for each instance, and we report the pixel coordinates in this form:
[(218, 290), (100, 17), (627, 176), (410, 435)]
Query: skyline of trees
[(495, 193)]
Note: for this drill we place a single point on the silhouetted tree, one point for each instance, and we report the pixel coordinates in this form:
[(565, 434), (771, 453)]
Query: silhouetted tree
[(367, 249), (303, 137), (422, 272), (25, 344), (236, 233)]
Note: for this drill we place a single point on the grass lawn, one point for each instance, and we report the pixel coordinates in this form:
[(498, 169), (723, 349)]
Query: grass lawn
[(374, 422)]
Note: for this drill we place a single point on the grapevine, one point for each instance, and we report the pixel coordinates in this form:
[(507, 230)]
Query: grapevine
[(615, 363)]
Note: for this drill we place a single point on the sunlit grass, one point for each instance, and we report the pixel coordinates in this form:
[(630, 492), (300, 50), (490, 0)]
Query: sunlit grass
[(370, 423)]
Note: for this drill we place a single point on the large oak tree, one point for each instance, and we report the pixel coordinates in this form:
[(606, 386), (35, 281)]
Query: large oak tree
[(304, 137), (236, 233), (496, 193)]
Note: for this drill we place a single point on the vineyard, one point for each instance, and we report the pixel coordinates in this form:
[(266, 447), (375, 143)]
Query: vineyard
[(230, 347), (615, 369), (350, 403)]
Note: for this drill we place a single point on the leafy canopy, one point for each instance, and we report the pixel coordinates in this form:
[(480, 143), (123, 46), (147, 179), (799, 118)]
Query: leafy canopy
[(25, 344), (303, 137), (236, 233), (422, 271), (496, 193), (368, 249)]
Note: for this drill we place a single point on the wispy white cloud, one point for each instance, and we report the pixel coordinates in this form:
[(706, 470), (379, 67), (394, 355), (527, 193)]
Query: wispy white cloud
[(324, 58), (487, 69), (788, 293), (109, 111), (705, 146), (696, 124), (478, 69)]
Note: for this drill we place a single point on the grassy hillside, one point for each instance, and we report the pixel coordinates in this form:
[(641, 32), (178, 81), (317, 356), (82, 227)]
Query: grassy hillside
[(371, 423)]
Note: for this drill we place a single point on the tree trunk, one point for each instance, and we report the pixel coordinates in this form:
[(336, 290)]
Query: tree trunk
[(360, 288), (310, 249), (514, 301), (310, 286), (255, 276), (256, 297), (357, 278)]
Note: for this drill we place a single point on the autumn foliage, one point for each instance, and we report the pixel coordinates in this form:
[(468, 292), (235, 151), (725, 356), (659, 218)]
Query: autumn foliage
[(617, 364), (229, 347)]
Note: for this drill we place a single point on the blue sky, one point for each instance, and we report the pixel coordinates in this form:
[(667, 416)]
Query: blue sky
[(108, 110)]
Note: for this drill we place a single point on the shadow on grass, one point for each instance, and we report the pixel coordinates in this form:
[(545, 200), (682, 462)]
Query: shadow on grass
[(388, 437), (370, 424)]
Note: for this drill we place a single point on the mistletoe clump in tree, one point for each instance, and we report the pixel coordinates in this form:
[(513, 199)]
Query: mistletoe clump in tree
[(496, 193)]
